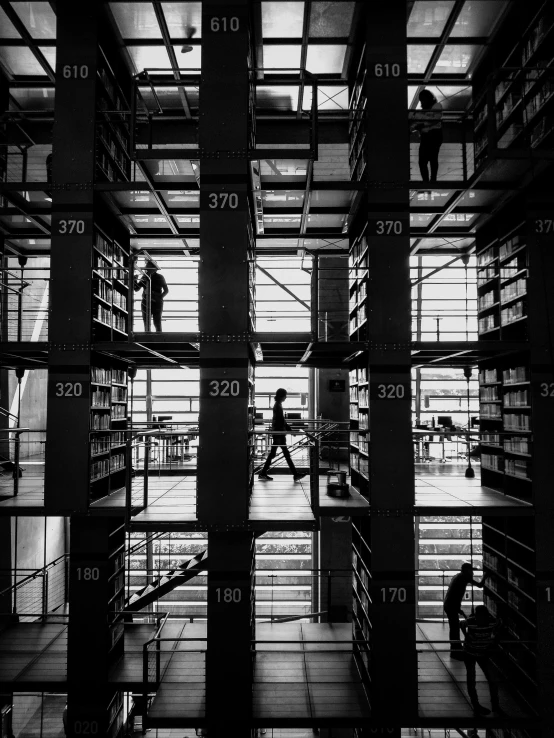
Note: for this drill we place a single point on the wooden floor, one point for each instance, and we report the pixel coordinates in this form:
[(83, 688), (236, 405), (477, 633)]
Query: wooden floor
[(281, 504), (32, 655), (442, 691), (313, 679)]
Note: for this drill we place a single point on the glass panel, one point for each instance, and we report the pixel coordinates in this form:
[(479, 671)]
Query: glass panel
[(282, 198), (456, 59), (34, 99), (149, 57), (184, 20), (136, 201), (150, 221), (331, 198), (331, 19), (325, 59), (420, 219), (282, 57), (428, 18), (277, 97), (328, 98), (478, 18), (182, 199), (20, 61), (136, 20), (38, 18), (281, 221), (282, 20), (8, 29), (418, 58), (188, 59), (49, 53), (280, 167), (326, 220), (452, 98)]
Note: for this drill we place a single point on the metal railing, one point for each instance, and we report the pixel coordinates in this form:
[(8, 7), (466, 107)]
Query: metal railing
[(29, 451), (39, 592), (436, 582), (152, 449), (24, 309), (152, 671)]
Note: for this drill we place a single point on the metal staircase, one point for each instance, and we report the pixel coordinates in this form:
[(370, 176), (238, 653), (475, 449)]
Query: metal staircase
[(167, 582)]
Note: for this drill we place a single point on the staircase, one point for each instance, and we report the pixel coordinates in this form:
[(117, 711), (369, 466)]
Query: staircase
[(166, 583)]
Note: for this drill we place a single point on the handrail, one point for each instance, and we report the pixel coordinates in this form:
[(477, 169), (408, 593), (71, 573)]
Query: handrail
[(37, 573), (4, 411)]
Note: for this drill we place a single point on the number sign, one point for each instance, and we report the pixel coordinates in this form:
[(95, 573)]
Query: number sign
[(223, 388), (390, 391), (227, 201)]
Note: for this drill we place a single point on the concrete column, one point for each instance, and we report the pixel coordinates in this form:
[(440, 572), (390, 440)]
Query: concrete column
[(335, 561)]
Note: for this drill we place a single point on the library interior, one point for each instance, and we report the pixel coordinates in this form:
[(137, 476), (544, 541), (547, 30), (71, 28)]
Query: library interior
[(277, 368)]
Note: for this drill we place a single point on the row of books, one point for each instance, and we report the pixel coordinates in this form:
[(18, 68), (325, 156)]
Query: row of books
[(511, 313), (516, 398), (514, 289)]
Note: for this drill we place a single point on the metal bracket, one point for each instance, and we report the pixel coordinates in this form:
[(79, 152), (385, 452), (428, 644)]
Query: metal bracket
[(224, 338), (68, 346), (389, 346)]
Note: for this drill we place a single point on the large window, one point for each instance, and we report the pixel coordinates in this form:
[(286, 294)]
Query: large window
[(444, 299)]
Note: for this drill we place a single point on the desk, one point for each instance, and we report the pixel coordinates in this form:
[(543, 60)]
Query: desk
[(440, 445)]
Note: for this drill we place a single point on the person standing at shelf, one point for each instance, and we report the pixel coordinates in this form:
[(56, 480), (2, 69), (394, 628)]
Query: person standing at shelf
[(429, 125), (154, 282), (280, 426), (480, 641), (453, 605)]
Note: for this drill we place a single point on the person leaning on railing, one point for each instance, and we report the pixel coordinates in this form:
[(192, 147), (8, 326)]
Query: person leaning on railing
[(480, 632), (429, 126), (158, 290)]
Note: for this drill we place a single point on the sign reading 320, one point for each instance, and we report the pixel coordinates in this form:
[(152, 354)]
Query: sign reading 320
[(223, 388)]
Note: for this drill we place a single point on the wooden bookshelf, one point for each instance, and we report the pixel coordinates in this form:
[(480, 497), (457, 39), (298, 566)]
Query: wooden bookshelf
[(358, 267), (510, 594), (356, 128), (506, 425), (113, 161), (523, 106), (361, 584), (110, 290), (502, 271), (108, 422), (359, 428)]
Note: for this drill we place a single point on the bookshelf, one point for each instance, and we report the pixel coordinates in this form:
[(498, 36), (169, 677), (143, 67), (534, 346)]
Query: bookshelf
[(357, 156), (361, 582), (116, 590), (510, 594), (523, 105), (502, 272), (113, 161), (251, 287), (506, 426), (110, 291), (359, 428), (108, 422), (358, 268)]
